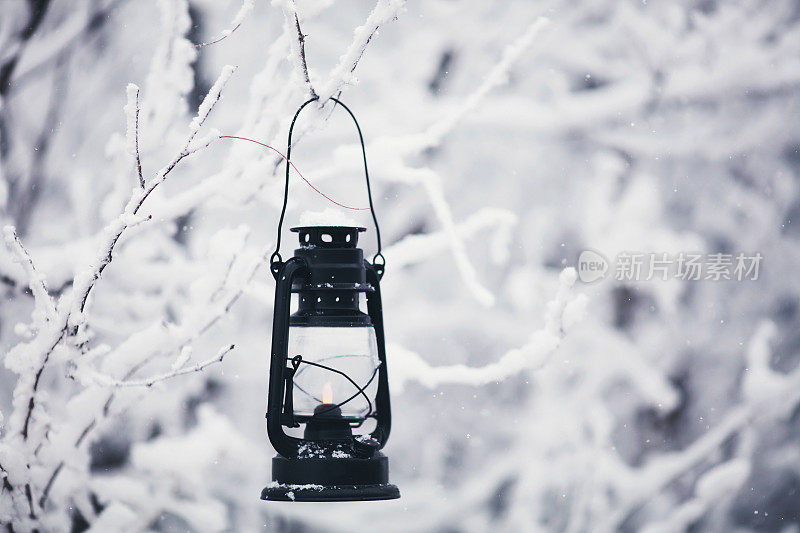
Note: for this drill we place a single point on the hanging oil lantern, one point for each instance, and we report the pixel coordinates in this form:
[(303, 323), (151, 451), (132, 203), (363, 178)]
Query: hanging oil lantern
[(328, 379)]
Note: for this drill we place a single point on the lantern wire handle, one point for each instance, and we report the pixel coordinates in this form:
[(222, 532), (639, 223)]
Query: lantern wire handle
[(297, 359), (276, 259)]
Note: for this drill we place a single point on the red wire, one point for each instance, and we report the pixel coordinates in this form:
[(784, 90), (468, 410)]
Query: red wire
[(296, 170)]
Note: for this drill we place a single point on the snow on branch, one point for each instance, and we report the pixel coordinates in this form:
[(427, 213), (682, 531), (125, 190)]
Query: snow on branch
[(108, 381), (244, 11), (85, 280), (342, 73), (141, 347), (562, 312), (30, 359), (394, 165), (45, 307), (210, 99), (298, 45)]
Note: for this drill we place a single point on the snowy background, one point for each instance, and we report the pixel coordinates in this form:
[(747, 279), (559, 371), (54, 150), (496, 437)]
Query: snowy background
[(500, 145)]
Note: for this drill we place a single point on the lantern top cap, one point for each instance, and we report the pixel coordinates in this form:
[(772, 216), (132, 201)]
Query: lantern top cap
[(328, 236)]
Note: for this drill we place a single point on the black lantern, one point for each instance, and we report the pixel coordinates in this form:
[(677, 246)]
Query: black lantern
[(328, 371)]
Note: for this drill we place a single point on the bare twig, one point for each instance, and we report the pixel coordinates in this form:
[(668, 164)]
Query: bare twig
[(35, 280)]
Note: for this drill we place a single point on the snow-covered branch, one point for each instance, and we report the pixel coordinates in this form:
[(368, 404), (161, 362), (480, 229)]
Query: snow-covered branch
[(342, 74), (29, 359), (45, 307), (298, 44), (108, 381)]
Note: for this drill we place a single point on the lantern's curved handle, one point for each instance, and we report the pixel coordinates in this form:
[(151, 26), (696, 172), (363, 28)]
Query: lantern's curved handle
[(275, 260)]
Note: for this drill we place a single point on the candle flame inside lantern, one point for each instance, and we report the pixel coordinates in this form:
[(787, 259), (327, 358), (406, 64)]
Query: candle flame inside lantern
[(327, 393)]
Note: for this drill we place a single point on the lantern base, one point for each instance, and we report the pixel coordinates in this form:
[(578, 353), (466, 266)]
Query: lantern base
[(330, 479), (334, 493)]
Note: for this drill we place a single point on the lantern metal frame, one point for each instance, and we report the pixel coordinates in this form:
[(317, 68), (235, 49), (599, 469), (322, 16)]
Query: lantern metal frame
[(342, 467)]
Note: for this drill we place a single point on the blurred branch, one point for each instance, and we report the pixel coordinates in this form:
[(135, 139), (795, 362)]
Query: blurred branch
[(497, 76), (415, 248), (562, 311), (69, 33), (38, 10)]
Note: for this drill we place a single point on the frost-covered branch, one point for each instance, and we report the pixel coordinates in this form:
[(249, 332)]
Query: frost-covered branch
[(298, 44), (30, 359), (132, 358), (432, 183), (342, 73), (45, 307), (108, 381), (84, 282), (395, 151), (238, 19)]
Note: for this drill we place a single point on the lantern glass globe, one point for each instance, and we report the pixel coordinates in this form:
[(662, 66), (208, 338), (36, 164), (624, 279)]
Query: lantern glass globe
[(351, 350)]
